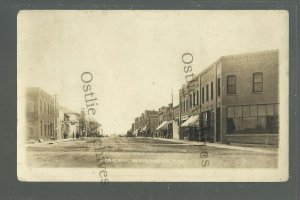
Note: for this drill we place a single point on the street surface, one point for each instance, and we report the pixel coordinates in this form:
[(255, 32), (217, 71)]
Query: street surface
[(124, 152)]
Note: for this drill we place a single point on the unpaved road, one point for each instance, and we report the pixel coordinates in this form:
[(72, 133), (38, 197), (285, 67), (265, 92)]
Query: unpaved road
[(126, 152)]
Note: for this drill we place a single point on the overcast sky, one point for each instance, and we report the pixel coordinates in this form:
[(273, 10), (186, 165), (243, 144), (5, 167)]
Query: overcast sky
[(134, 56)]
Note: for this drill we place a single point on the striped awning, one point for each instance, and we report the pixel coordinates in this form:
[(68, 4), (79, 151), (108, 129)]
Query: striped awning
[(193, 121), (144, 129), (163, 126)]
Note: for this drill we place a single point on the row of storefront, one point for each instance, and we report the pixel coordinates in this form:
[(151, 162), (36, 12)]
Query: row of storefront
[(234, 100), (47, 120)]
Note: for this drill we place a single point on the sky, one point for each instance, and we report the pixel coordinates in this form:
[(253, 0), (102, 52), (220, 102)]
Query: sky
[(135, 57)]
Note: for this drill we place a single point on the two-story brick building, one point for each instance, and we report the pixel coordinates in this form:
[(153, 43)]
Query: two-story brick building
[(237, 97), (40, 114), (189, 96)]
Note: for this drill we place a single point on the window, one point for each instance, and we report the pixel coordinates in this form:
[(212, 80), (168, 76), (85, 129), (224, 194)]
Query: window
[(261, 110), (207, 93), (231, 84), (238, 111), (41, 106), (246, 111), (187, 105), (191, 101), (181, 106), (30, 106), (202, 94), (258, 82), (270, 110), (194, 98), (219, 87), (253, 110), (230, 112), (41, 128), (197, 97), (211, 90), (45, 129)]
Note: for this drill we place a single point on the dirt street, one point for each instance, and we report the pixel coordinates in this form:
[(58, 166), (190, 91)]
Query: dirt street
[(120, 152)]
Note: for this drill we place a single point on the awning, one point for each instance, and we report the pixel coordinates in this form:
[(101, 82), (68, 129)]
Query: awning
[(163, 126), (191, 122), (144, 129)]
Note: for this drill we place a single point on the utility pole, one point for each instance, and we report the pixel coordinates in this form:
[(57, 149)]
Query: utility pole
[(55, 117)]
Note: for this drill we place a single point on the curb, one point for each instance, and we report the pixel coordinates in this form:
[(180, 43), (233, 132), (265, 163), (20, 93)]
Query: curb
[(222, 146)]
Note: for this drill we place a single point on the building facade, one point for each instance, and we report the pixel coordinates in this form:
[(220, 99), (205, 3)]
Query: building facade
[(189, 96), (145, 125), (235, 98), (165, 121), (40, 114)]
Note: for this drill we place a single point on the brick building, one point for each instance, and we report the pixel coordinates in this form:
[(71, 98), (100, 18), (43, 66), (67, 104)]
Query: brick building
[(146, 124), (40, 114), (165, 116), (235, 99), (189, 96)]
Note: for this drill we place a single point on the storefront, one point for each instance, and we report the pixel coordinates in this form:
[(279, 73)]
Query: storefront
[(164, 130), (190, 128)]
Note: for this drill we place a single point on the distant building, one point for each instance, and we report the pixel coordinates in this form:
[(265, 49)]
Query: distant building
[(40, 114), (164, 128), (73, 124), (146, 124)]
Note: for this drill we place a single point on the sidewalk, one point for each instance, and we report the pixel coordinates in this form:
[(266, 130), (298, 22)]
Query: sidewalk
[(223, 146), (51, 141)]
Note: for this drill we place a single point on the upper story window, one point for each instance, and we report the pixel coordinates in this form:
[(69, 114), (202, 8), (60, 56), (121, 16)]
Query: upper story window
[(187, 105), (194, 98), (45, 108), (41, 106), (258, 85), (219, 87), (30, 106), (211, 90), (207, 96), (202, 94), (231, 84), (197, 97)]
